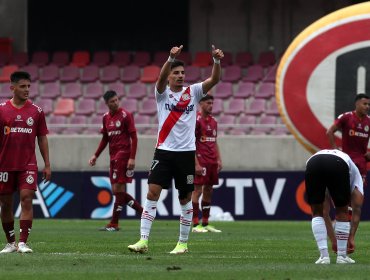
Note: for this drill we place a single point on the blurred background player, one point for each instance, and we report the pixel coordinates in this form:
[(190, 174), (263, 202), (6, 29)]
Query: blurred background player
[(22, 122), (335, 171), (207, 164), (355, 126), (119, 131), (175, 149)]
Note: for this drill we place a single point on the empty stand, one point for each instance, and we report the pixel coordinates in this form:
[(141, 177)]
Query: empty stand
[(85, 107), (184, 56), (130, 105), (232, 74), (56, 124), (137, 91), (265, 90), (227, 59), (101, 58), (130, 74), (267, 123), (64, 107), (19, 58), (80, 58), (69, 73), (71, 90), (148, 107), (247, 122), (254, 74), (40, 58), (94, 90), (271, 74), (6, 72), (244, 90), (118, 87), (60, 58), (49, 73), (236, 107), (110, 74), (202, 59), (89, 74), (280, 130), (257, 107), (46, 105), (141, 58), (225, 122), (5, 92), (33, 70), (160, 58), (192, 74), (244, 59), (142, 123), (121, 58), (94, 125), (272, 108), (4, 59), (34, 90), (266, 58), (218, 107), (76, 125), (150, 74), (223, 90), (50, 90), (101, 107)]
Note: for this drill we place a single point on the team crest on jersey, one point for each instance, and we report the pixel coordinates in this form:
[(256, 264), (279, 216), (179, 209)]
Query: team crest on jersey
[(366, 128), (190, 179), (118, 123), (185, 96), (30, 179), (30, 121)]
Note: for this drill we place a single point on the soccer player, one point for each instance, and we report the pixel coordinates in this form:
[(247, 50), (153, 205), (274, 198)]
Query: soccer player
[(119, 131), (335, 171), (21, 122), (175, 149), (207, 164), (354, 126)]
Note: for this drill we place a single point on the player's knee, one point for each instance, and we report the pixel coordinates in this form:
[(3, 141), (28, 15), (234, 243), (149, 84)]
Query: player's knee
[(183, 194)]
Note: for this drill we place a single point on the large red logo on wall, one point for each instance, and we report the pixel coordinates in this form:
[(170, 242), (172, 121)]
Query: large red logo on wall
[(322, 71)]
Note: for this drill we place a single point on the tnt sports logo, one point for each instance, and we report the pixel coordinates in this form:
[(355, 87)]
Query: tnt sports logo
[(322, 71), (30, 179), (30, 121)]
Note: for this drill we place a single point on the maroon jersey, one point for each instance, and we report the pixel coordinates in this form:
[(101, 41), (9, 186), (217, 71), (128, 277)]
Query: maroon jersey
[(205, 139), (355, 136), (117, 129), (19, 129)]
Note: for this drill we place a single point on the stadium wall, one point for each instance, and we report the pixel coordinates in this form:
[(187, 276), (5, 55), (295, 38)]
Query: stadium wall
[(239, 153)]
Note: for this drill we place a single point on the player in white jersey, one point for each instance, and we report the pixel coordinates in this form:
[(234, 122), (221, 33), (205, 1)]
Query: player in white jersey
[(335, 171), (174, 156)]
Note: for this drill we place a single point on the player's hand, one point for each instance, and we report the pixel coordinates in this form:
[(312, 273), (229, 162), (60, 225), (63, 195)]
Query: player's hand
[(175, 51), (46, 174), (198, 170), (219, 165), (350, 246), (92, 160), (334, 246), (217, 53), (131, 164)]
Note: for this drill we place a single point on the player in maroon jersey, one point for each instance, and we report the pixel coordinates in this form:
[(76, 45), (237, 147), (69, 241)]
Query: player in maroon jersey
[(21, 122), (355, 126), (119, 131), (207, 164)]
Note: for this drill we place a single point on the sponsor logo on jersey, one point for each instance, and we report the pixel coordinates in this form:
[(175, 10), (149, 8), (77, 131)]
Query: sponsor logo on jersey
[(114, 132), (30, 121), (186, 110), (207, 139), (358, 134), (21, 130)]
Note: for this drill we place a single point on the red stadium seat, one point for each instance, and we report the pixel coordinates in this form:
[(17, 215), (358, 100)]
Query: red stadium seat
[(150, 74), (6, 72), (202, 59), (244, 59), (80, 58), (64, 107), (19, 58)]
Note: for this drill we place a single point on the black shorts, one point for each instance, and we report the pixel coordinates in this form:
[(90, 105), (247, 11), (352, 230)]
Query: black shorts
[(168, 165), (327, 171)]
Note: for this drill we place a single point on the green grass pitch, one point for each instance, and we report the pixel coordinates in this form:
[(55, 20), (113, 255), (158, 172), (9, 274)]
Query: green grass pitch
[(75, 249)]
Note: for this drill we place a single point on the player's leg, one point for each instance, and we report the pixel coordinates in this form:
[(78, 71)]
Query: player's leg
[(25, 220), (195, 201), (7, 220), (329, 222), (356, 201)]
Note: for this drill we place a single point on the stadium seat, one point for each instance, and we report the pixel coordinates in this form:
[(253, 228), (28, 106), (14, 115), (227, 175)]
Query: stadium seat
[(93, 90), (46, 104), (34, 90), (184, 56), (202, 59), (50, 90), (247, 122), (60, 58), (94, 125), (236, 107), (148, 107), (5, 92), (130, 74), (271, 74), (265, 90), (218, 107), (109, 74), (266, 58), (4, 59), (223, 90), (64, 107), (267, 124), (33, 70), (101, 107), (142, 123), (280, 130), (69, 73), (19, 58), (254, 74), (232, 74), (160, 58), (56, 124), (244, 90), (192, 74), (89, 74), (206, 72), (272, 108), (257, 107), (150, 74), (243, 59), (49, 73), (85, 107), (227, 59), (225, 122), (118, 87), (141, 58), (40, 58), (101, 58), (76, 125), (137, 90), (129, 105), (6, 71), (80, 58), (71, 90), (121, 58)]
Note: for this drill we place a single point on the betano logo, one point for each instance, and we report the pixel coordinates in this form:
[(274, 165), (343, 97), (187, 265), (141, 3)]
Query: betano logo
[(51, 198)]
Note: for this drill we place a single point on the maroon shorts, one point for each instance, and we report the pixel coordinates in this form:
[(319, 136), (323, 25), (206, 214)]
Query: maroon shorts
[(11, 181), (209, 176), (118, 172)]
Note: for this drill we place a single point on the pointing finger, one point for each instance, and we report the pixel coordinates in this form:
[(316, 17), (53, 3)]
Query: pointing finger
[(213, 48), (181, 47)]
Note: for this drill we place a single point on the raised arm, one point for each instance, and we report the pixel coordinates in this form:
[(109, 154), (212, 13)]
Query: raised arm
[(166, 69), (217, 55)]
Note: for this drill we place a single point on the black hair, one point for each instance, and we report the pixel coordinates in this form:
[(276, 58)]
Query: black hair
[(360, 96), (16, 76), (108, 95), (177, 63), (207, 97)]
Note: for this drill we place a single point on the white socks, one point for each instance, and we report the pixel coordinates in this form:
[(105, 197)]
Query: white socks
[(342, 233), (147, 218), (185, 221), (320, 234)]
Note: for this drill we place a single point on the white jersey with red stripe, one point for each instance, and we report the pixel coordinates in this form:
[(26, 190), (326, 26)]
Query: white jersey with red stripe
[(176, 129)]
